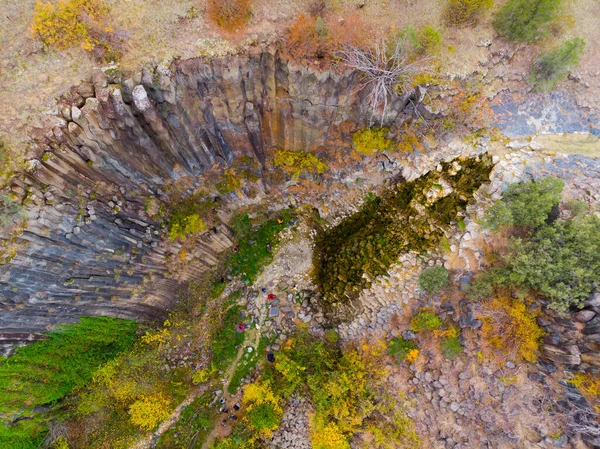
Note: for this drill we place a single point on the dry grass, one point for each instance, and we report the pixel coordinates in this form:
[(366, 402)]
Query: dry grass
[(158, 30)]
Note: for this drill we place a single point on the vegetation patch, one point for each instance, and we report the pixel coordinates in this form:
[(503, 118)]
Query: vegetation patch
[(557, 258), (68, 23), (190, 216), (462, 13), (255, 248), (371, 140), (424, 41), (425, 321), (230, 15), (194, 425), (246, 365), (554, 65), (450, 344), (296, 163), (432, 280), (345, 386), (410, 217), (509, 326), (46, 371), (526, 20), (402, 349)]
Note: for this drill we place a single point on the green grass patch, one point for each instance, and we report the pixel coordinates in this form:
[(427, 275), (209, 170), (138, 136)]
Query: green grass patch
[(196, 422), (256, 246), (226, 340), (46, 371)]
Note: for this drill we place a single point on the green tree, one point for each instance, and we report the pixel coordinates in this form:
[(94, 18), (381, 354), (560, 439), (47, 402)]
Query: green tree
[(561, 261), (526, 20), (526, 205), (554, 65)]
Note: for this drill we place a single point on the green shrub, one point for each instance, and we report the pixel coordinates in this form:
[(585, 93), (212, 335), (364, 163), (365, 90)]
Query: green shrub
[(461, 13), (371, 140), (425, 321), (526, 20), (298, 162), (263, 416), (399, 347), (559, 260), (451, 347), (525, 205), (425, 41), (554, 65), (432, 280), (430, 39)]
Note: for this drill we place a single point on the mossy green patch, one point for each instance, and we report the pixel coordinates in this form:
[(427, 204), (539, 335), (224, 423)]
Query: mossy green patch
[(189, 216), (405, 218)]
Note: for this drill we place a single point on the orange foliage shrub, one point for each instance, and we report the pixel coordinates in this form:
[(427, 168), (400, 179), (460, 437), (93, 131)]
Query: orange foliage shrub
[(510, 327), (313, 37), (231, 15)]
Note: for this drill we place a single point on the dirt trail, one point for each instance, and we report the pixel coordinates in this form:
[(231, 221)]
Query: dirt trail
[(150, 440), (210, 438)]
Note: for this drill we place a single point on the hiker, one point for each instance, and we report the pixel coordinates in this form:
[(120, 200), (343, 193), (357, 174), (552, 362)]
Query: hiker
[(271, 357), (241, 328), (270, 296)]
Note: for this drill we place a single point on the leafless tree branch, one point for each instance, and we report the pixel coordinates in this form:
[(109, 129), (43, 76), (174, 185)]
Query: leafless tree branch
[(383, 69)]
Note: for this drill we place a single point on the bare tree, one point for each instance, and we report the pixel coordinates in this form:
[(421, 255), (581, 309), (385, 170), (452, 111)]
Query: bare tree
[(383, 69)]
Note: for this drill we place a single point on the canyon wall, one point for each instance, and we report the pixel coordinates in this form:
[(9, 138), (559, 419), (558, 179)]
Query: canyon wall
[(89, 246)]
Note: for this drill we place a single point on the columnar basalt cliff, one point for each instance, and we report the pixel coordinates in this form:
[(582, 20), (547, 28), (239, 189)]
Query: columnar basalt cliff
[(89, 247)]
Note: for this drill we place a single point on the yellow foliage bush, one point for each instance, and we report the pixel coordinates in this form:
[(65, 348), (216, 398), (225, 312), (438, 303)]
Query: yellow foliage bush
[(371, 140), (200, 376), (329, 437), (69, 23), (158, 338), (148, 411), (589, 386), (263, 411), (412, 355), (60, 443), (298, 162), (511, 328)]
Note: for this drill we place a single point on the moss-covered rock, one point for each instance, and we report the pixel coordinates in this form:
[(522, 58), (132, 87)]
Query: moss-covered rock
[(406, 218)]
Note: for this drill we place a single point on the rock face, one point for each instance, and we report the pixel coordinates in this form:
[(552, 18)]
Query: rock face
[(89, 247)]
